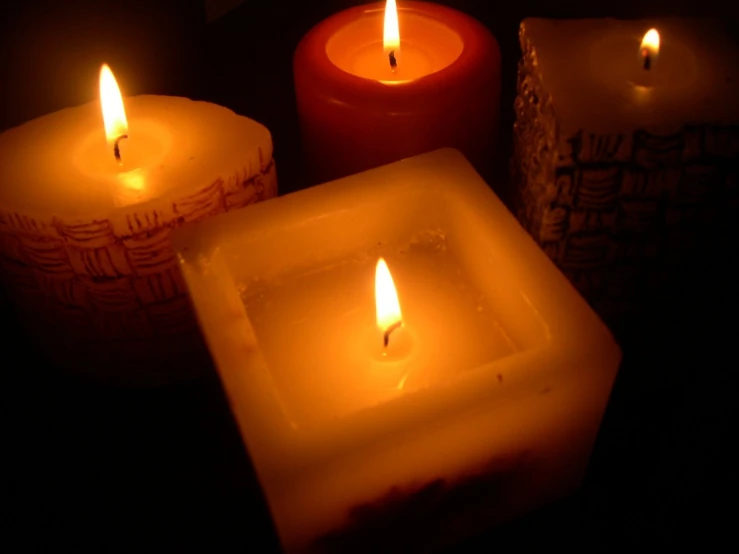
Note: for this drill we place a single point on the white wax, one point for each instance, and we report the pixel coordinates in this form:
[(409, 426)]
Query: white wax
[(62, 164), (511, 394), (594, 73), (84, 242)]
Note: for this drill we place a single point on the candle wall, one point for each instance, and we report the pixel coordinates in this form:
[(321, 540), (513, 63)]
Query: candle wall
[(511, 369), (622, 174), (356, 113), (85, 248)]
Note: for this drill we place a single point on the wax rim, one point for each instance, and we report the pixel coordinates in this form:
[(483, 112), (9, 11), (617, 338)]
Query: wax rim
[(479, 48), (379, 13)]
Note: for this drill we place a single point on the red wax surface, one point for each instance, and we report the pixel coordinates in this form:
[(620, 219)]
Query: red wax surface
[(350, 123)]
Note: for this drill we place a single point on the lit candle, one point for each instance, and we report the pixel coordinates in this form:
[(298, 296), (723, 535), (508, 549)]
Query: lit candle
[(364, 419), (447, 329), (88, 197), (380, 82), (624, 135)]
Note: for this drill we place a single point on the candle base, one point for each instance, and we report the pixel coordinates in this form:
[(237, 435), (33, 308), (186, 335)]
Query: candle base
[(429, 517)]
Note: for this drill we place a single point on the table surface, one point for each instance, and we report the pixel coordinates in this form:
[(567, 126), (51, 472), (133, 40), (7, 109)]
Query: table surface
[(94, 467)]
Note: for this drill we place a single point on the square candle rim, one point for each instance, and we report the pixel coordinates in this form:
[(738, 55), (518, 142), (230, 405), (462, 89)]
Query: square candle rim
[(442, 166)]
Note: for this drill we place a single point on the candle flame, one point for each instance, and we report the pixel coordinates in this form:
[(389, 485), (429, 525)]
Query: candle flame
[(391, 34), (114, 115), (386, 298), (650, 44)]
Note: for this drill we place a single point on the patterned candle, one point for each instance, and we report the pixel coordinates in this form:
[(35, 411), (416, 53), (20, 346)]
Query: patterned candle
[(626, 150), (84, 237)]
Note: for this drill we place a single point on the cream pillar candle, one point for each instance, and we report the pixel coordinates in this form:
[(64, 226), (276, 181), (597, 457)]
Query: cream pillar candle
[(84, 239), (492, 389), (622, 166)]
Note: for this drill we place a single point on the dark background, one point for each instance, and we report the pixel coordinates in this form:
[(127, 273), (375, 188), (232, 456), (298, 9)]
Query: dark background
[(95, 468)]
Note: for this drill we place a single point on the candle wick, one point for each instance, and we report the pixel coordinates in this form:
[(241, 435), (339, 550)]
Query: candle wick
[(117, 148), (647, 59), (393, 61), (386, 337)]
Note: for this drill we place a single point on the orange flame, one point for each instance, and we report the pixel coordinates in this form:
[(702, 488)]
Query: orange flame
[(114, 115), (391, 34), (386, 298)]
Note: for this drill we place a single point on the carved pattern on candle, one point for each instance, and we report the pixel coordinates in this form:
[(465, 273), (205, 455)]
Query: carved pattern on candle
[(115, 278), (622, 205)]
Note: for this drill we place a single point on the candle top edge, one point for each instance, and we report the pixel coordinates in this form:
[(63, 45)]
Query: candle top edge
[(59, 164), (591, 71)]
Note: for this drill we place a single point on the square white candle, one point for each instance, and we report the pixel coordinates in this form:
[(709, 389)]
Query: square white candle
[(491, 393)]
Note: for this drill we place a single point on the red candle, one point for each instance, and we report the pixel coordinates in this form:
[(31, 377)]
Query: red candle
[(366, 98)]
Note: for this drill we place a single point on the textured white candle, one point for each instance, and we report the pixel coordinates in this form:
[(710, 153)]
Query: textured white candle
[(84, 241), (623, 173)]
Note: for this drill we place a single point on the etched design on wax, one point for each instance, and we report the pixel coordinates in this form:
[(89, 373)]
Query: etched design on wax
[(115, 278), (555, 224), (640, 182), (110, 295), (160, 286), (594, 148), (107, 262), (241, 191), (93, 249), (654, 151), (204, 203), (150, 252), (600, 204), (596, 192), (69, 292), (47, 254)]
